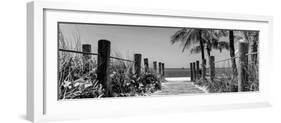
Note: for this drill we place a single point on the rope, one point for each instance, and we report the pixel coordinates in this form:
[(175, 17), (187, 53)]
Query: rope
[(235, 57), (88, 53)]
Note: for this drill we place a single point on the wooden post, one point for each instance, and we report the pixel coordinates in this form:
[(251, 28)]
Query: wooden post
[(197, 70), (203, 72), (155, 66), (212, 67), (232, 53), (103, 66), (159, 67), (163, 69), (194, 71), (86, 57), (86, 48), (191, 71), (243, 66), (146, 67), (137, 58)]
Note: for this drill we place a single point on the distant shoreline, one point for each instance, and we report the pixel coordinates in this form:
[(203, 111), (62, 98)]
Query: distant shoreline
[(177, 72), (185, 72)]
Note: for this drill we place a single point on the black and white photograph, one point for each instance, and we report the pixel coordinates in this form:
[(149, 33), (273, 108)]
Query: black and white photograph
[(110, 60), (140, 61)]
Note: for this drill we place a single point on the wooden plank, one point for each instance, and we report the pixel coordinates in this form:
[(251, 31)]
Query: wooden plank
[(137, 66), (155, 66), (86, 48), (243, 66), (212, 68), (232, 52), (163, 69), (203, 71), (146, 66), (160, 68), (191, 71), (197, 70), (194, 72), (103, 66)]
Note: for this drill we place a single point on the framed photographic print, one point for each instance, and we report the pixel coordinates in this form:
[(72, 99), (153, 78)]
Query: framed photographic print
[(100, 61)]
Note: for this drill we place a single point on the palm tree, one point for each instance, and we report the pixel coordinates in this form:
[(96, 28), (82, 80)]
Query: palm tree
[(212, 41), (253, 38), (188, 37), (231, 37), (209, 38)]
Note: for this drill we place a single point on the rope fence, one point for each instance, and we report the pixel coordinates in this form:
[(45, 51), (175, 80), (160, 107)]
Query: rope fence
[(89, 53), (242, 67), (103, 62)]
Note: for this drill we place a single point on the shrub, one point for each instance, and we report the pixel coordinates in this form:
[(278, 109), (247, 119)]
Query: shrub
[(226, 82), (126, 83), (78, 79)]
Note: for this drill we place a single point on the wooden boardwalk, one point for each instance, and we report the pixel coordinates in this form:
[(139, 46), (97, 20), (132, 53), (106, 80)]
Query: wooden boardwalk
[(178, 87)]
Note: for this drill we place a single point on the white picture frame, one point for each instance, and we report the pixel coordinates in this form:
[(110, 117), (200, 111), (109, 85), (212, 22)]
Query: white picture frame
[(38, 105)]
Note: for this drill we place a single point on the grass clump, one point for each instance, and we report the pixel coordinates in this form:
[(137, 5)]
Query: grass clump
[(77, 75), (126, 83), (78, 79), (227, 82)]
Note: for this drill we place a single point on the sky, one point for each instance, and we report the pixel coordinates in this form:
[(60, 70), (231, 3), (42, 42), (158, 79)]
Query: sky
[(152, 42)]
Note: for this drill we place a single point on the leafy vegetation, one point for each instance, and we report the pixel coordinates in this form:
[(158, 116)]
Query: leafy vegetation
[(227, 82), (209, 39), (77, 76), (75, 83)]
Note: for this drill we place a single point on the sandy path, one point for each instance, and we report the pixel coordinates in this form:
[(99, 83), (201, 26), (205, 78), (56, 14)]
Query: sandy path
[(178, 87)]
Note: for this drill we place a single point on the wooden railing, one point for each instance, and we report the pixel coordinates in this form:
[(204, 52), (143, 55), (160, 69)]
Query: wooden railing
[(240, 71), (104, 47)]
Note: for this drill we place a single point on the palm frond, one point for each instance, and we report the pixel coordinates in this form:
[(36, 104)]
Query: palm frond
[(179, 35), (223, 45), (220, 45), (220, 33), (196, 49), (189, 37)]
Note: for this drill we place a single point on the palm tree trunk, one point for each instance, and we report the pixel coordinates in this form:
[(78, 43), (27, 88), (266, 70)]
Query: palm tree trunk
[(202, 55), (254, 48), (209, 57), (232, 53), (208, 52)]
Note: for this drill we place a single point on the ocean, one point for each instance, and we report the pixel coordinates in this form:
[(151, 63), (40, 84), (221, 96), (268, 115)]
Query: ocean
[(177, 72), (185, 72)]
